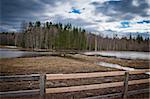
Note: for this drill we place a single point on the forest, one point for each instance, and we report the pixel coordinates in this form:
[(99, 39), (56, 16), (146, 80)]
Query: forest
[(58, 36)]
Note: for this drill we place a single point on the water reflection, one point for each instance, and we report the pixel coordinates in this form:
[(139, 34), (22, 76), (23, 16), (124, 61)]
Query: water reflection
[(9, 53), (122, 54)]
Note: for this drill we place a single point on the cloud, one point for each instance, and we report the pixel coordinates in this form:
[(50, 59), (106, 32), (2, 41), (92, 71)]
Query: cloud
[(93, 15), (7, 28), (122, 9), (135, 26), (74, 21)]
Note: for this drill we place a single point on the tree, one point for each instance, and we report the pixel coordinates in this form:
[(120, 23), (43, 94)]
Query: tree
[(47, 25), (37, 24), (139, 38)]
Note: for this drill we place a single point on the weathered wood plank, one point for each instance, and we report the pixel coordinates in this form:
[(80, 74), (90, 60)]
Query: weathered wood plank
[(20, 77), (139, 71), (83, 75), (90, 75), (94, 86), (141, 81), (83, 87), (42, 85), (20, 93), (125, 91)]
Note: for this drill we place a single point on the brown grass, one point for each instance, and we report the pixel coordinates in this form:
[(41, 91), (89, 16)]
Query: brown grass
[(46, 65), (139, 64), (72, 64)]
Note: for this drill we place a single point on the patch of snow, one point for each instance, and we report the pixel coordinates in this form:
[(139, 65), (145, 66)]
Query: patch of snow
[(147, 73), (11, 46), (105, 64), (115, 66)]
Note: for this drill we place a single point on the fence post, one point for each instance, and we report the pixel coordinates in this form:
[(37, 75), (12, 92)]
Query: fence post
[(125, 91), (42, 85)]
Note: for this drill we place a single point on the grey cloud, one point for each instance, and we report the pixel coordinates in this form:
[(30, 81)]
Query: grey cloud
[(76, 22), (13, 12), (92, 29), (122, 10), (53, 2)]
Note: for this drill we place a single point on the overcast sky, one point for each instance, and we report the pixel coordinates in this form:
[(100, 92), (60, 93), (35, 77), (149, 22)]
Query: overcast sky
[(93, 15)]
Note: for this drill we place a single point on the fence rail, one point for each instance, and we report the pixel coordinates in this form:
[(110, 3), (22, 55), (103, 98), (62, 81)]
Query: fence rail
[(42, 78), (91, 75), (94, 86), (20, 93), (32, 77)]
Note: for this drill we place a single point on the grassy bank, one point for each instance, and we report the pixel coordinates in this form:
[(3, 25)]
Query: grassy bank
[(47, 64), (70, 64)]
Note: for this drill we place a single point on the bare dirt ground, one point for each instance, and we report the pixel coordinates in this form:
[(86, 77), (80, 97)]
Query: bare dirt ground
[(69, 64)]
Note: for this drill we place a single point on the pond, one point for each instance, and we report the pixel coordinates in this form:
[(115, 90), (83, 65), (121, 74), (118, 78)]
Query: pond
[(122, 54), (10, 53)]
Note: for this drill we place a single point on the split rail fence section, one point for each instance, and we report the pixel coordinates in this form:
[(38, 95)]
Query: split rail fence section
[(42, 78)]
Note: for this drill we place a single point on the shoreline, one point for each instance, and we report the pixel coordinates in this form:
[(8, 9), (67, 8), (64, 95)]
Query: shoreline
[(52, 50)]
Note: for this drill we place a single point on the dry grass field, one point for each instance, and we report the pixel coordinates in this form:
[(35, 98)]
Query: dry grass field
[(47, 65)]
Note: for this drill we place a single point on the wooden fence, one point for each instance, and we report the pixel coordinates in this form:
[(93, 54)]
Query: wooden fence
[(42, 78)]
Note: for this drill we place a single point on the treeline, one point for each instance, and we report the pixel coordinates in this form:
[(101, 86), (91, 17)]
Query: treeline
[(67, 37), (117, 44), (7, 38), (52, 36)]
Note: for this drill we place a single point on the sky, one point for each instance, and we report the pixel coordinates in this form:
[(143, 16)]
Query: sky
[(95, 16)]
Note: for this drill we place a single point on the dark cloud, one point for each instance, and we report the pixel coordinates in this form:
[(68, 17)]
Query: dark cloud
[(13, 12), (122, 10), (20, 8)]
